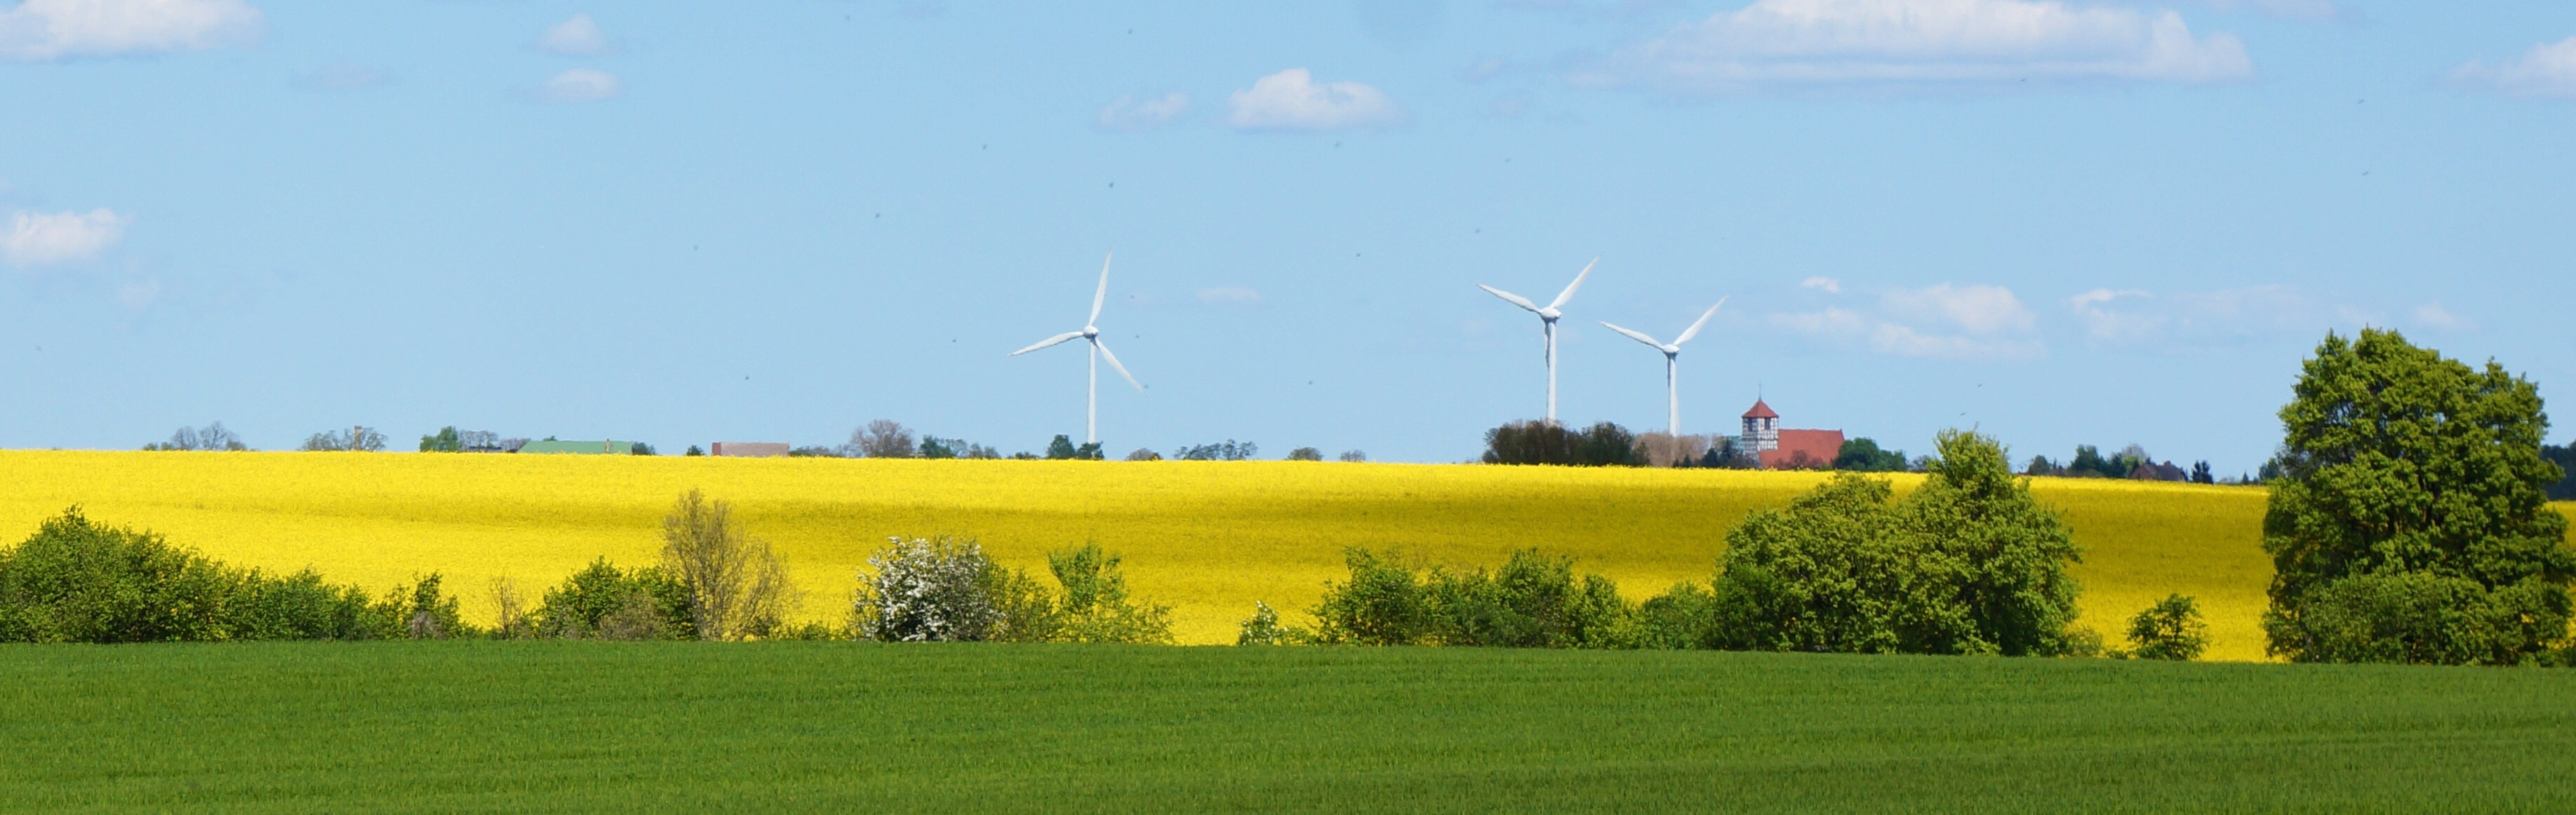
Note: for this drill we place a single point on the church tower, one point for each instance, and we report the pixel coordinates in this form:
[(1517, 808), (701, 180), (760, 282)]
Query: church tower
[(1761, 429)]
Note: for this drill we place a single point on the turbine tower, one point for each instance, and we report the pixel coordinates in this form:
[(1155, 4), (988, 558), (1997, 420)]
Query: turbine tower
[(1672, 361), (1547, 316), (1091, 331)]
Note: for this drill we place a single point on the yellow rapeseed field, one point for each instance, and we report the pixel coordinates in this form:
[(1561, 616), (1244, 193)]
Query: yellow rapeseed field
[(1206, 537)]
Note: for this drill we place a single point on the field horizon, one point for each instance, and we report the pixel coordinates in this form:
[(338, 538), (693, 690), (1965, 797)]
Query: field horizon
[(1209, 538)]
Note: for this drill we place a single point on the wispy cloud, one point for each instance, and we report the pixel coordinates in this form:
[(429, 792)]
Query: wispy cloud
[(1131, 114), (1293, 100), (2547, 70), (1236, 295), (581, 85), (1783, 44), (2433, 315), (576, 37), (1825, 284), (45, 30), (1943, 321), (46, 239), (2130, 317), (2310, 10)]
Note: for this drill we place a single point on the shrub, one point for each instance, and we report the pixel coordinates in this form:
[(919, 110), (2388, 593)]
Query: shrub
[(1533, 601), (80, 581), (1968, 563), (1354, 456), (929, 590), (1305, 454), (738, 586), (2170, 629), (1094, 606), (1683, 617), (607, 603), (1144, 454), (944, 589), (421, 611), (1263, 628), (76, 580)]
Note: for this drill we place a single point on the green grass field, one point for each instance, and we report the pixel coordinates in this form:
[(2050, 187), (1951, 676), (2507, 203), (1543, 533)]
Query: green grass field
[(565, 726)]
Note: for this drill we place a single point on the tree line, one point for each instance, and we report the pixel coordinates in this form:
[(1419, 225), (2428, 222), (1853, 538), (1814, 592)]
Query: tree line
[(78, 580), (1969, 563)]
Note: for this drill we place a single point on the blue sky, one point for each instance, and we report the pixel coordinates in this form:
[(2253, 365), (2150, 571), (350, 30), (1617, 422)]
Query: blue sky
[(2060, 223)]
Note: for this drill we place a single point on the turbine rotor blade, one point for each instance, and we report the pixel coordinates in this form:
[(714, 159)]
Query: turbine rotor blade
[(1113, 365), (1638, 336), (1511, 298), (1101, 296), (1568, 294), (1693, 331), (1054, 340)]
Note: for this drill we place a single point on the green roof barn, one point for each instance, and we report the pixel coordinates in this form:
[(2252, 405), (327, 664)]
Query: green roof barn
[(595, 448)]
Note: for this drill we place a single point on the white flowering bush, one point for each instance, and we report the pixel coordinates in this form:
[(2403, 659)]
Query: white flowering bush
[(929, 590)]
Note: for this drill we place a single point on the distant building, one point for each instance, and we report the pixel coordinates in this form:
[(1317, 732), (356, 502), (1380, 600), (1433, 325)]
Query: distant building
[(594, 448), (748, 449), (1761, 429), (1779, 449)]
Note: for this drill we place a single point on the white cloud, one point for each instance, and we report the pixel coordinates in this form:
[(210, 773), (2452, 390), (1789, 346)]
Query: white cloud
[(581, 85), (2313, 10), (2131, 317), (1814, 43), (1829, 285), (1944, 321), (2433, 315), (576, 37), (41, 30), (39, 239), (2101, 324), (1830, 322), (1229, 294), (1904, 341), (2545, 70), (1974, 309), (1131, 113), (1292, 100)]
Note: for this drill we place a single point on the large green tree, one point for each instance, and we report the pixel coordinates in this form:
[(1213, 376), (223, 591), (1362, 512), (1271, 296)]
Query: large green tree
[(2410, 522), (1969, 563)]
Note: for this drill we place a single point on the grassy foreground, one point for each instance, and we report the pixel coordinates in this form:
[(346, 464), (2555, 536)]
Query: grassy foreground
[(562, 726)]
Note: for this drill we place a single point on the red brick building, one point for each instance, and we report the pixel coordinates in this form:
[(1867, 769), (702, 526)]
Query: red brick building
[(1779, 449)]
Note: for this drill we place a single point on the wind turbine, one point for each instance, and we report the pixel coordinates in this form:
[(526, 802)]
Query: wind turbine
[(1091, 331), (1672, 360), (1547, 316)]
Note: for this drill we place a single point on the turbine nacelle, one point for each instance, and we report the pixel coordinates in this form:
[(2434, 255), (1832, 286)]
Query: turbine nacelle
[(1090, 332)]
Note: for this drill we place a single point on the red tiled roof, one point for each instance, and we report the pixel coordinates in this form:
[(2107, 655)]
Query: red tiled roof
[(1760, 411), (1804, 449)]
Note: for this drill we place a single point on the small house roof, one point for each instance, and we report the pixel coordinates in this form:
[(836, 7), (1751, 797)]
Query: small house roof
[(581, 447), (1760, 411)]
